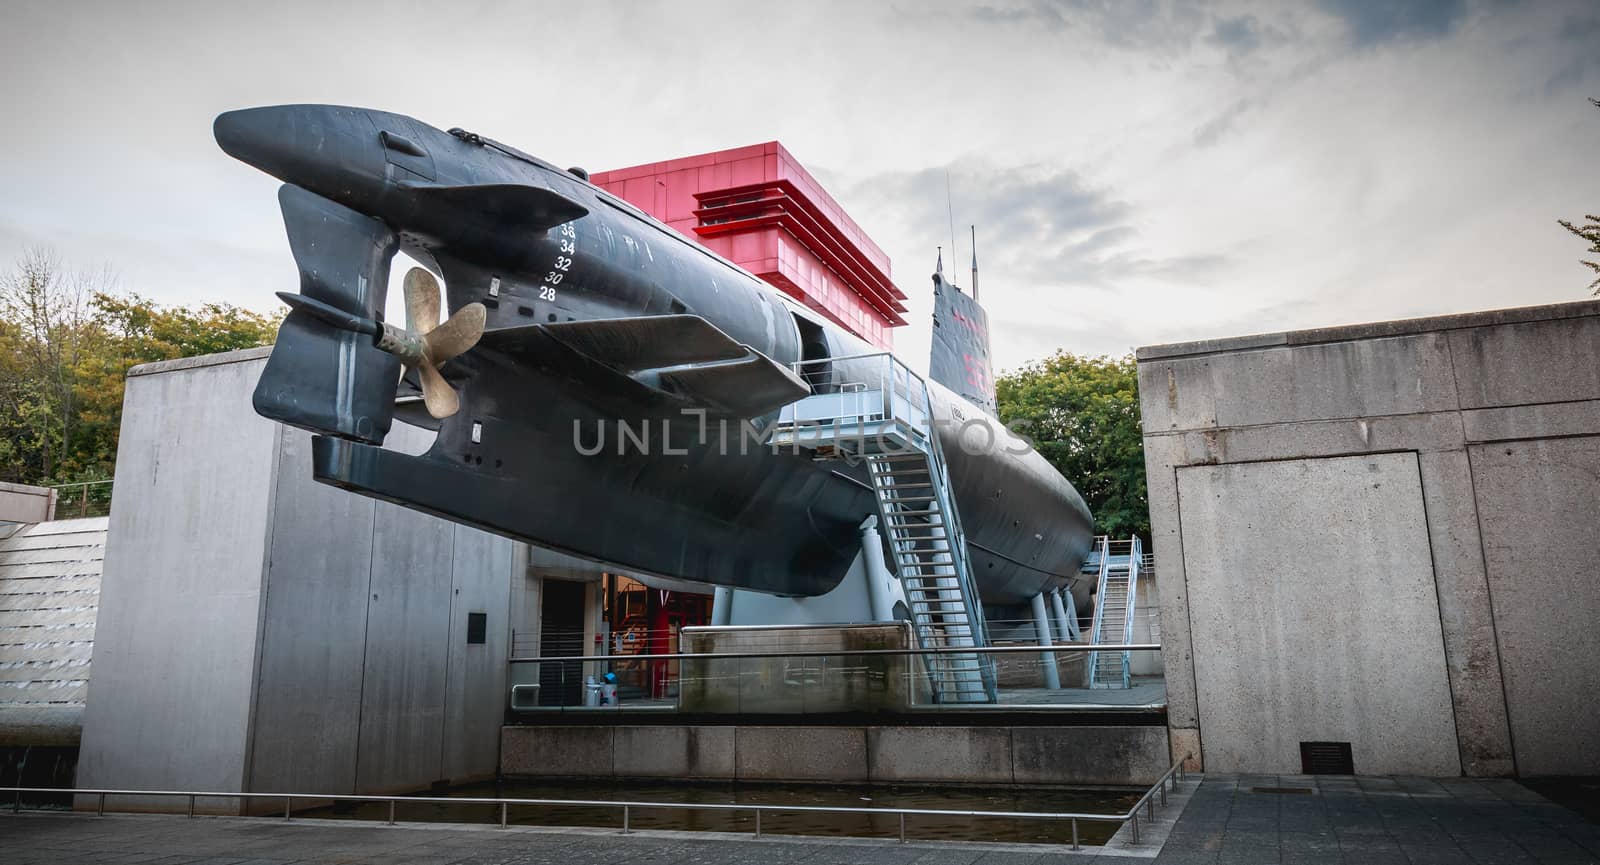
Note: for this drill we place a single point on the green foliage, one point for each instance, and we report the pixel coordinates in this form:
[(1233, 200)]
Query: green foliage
[(66, 344), (1589, 232), (1082, 414)]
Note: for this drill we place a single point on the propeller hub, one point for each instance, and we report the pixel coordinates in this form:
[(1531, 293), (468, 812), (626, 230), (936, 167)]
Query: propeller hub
[(409, 347), (424, 344)]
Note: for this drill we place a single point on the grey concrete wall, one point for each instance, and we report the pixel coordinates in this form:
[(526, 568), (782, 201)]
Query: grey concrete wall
[(306, 638), (1326, 622), (1132, 756), (477, 685), (21, 503), (180, 596), (1539, 503), (397, 697), (1466, 525), (318, 585)]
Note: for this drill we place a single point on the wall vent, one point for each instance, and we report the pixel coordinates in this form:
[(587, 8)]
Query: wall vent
[(1326, 758), (477, 628)]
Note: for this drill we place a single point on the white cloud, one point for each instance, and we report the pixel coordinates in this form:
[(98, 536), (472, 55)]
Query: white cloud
[(1139, 172)]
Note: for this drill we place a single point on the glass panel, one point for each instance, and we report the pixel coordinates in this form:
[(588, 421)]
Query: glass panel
[(770, 676)]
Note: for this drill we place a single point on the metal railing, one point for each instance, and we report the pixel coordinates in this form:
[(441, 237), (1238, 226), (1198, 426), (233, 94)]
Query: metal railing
[(800, 678), (819, 653), (1157, 791), (83, 499)]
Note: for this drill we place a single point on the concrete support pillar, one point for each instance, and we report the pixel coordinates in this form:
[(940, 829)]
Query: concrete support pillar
[(879, 599), (1066, 623), (1041, 625), (722, 606)]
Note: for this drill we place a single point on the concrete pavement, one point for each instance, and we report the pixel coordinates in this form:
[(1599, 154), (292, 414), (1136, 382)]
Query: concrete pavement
[(1228, 820)]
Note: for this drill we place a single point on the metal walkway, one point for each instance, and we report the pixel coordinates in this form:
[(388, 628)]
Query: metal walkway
[(885, 420), (1119, 564)]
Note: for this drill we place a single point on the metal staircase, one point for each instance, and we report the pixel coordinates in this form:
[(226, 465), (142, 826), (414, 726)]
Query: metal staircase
[(881, 415), (1120, 564)]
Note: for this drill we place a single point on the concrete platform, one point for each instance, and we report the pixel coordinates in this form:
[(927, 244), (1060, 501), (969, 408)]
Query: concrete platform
[(1228, 820), (1132, 756)]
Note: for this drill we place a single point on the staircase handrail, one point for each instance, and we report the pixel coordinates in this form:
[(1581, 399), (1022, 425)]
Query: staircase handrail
[(1135, 563)]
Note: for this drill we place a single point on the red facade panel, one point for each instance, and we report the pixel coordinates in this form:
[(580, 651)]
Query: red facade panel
[(758, 207)]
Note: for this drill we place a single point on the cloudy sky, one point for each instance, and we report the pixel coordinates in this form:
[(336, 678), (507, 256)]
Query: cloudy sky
[(1139, 171)]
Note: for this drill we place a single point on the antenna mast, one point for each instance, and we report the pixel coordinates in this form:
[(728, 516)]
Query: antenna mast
[(951, 210), (974, 263)]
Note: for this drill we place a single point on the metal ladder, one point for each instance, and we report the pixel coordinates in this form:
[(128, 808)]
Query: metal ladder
[(1114, 608), (886, 422)]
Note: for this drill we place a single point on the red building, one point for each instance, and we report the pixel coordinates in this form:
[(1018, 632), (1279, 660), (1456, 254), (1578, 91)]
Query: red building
[(759, 208)]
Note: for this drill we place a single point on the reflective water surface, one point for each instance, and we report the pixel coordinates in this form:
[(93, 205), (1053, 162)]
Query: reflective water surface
[(1091, 801)]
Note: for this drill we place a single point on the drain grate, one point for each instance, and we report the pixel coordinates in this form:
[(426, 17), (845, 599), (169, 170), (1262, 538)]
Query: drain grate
[(1326, 758), (1303, 791)]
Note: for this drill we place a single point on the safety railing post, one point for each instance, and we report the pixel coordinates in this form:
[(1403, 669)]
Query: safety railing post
[(1135, 824), (391, 812), (902, 827), (503, 808), (102, 809), (287, 802), (625, 820), (1075, 833), (1150, 806), (191, 804), (758, 822)]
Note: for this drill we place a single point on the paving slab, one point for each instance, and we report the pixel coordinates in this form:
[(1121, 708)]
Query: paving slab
[(1212, 820)]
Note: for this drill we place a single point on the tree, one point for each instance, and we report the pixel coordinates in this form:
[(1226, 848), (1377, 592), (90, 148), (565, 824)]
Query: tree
[(66, 345), (1082, 414), (1590, 233), (45, 314)]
